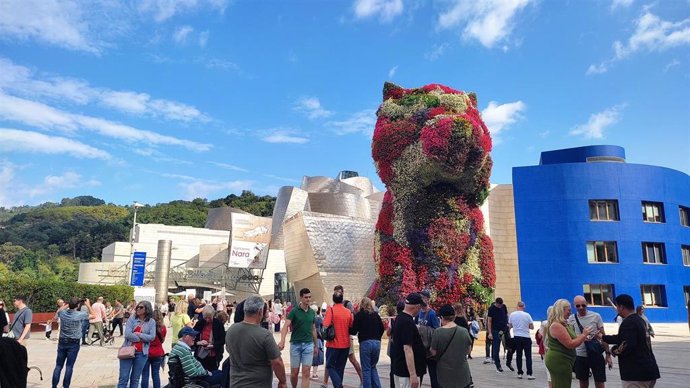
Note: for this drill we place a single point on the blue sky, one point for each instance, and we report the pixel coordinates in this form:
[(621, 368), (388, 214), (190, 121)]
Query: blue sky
[(156, 100)]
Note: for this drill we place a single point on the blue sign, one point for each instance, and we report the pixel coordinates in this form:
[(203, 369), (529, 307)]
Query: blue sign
[(138, 266)]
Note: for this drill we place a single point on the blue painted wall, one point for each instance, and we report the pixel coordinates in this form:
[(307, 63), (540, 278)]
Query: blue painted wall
[(553, 227)]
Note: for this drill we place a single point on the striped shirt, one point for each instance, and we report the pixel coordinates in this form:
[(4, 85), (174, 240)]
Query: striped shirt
[(190, 365)]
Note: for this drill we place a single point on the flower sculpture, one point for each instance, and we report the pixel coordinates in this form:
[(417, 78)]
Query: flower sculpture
[(431, 150)]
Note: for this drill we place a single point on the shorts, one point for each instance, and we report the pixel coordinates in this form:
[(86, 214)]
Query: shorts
[(301, 354), (584, 364)]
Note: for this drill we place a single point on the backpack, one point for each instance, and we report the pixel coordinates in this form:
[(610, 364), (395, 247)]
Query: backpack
[(427, 333)]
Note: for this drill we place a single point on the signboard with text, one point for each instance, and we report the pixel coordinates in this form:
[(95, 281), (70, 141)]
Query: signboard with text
[(138, 268), (249, 239)]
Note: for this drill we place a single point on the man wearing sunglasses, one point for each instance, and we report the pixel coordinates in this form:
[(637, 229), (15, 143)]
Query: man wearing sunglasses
[(584, 363)]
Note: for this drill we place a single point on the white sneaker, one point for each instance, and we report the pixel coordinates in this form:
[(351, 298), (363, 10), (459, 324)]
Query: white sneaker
[(519, 376), (530, 377), (488, 361)]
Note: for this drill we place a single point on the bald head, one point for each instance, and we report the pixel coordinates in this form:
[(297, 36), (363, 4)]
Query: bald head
[(580, 303)]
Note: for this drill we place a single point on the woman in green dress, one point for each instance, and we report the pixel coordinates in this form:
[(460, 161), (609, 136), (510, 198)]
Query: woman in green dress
[(562, 342)]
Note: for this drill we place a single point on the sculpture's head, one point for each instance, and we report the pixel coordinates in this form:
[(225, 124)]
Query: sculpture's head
[(432, 136)]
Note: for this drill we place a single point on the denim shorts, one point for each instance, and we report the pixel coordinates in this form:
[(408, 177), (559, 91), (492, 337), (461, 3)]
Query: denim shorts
[(301, 354)]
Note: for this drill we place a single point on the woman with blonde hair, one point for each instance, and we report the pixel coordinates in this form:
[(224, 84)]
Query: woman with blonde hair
[(368, 327), (180, 319), (561, 341)]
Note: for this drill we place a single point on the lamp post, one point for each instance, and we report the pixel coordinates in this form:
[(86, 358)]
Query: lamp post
[(136, 205)]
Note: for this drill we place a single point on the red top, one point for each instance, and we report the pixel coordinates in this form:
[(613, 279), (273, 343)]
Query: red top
[(139, 345), (206, 335), (342, 321), (156, 346)]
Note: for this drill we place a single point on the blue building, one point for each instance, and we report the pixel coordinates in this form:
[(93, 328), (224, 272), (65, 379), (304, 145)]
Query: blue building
[(589, 223)]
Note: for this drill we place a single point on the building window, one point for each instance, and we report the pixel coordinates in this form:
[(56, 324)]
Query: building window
[(685, 250), (653, 253), (603, 210), (686, 291), (653, 295), (597, 294), (684, 216), (653, 212), (602, 252)]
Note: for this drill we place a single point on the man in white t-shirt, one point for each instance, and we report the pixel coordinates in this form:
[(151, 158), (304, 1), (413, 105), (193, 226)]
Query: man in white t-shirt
[(584, 363), (521, 323)]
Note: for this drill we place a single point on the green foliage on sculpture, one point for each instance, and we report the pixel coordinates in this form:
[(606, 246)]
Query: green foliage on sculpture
[(431, 150)]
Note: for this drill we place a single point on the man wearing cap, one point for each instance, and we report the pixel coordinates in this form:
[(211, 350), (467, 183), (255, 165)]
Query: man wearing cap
[(408, 356), (427, 317), (497, 326), (190, 365)]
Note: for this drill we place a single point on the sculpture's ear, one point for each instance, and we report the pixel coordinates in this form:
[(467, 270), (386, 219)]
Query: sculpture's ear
[(391, 90)]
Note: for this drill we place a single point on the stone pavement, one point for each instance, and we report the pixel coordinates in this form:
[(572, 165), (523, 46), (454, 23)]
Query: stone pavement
[(98, 367)]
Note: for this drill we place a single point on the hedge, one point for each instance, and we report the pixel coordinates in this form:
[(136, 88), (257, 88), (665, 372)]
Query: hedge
[(42, 294)]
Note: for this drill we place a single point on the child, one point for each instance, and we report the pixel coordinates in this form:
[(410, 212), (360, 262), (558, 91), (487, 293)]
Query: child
[(49, 329)]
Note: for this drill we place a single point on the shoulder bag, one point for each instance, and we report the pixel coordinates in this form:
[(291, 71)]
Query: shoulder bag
[(328, 333), (10, 333), (594, 348), (127, 352)]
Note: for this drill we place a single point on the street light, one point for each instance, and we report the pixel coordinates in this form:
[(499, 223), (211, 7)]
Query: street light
[(136, 205)]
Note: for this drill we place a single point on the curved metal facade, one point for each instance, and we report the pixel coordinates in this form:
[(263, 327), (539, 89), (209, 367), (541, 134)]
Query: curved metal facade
[(554, 227)]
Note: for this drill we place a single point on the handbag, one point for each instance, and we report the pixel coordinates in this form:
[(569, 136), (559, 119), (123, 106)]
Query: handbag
[(328, 333), (204, 352), (126, 352), (594, 348), (10, 333)]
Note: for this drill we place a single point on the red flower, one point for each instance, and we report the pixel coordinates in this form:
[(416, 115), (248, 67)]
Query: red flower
[(446, 89), (436, 138), (433, 112), (385, 221)]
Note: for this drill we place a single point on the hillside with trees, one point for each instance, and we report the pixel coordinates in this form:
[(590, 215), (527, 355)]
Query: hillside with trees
[(49, 241)]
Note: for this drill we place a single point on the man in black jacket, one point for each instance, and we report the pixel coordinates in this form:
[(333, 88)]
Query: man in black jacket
[(635, 358)]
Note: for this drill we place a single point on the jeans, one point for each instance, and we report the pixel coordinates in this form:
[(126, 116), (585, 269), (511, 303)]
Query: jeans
[(433, 379), (335, 365), (301, 353), (523, 344), (130, 371), (67, 350), (84, 330), (496, 348), (215, 378), (369, 352), (487, 345), (152, 367)]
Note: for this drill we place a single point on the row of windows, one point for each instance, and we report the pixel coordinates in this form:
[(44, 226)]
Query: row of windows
[(651, 294), (607, 210), (652, 252)]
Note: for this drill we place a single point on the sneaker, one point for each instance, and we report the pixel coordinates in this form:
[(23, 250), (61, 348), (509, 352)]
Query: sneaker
[(499, 370), (510, 367), (530, 377), (520, 376), (488, 361)]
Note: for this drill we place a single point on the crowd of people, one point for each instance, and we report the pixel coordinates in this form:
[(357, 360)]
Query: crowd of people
[(423, 341)]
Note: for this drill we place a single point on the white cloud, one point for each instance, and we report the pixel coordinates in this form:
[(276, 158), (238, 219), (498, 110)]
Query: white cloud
[(672, 64), (203, 189), (43, 116), (229, 167), (165, 9), (598, 122), (488, 21), (203, 38), (652, 34), (386, 10), (620, 4), (24, 81), (222, 64), (311, 107), (280, 178), (181, 34), (392, 71), (499, 117), (7, 185), (436, 52), (360, 122), (34, 142), (283, 136)]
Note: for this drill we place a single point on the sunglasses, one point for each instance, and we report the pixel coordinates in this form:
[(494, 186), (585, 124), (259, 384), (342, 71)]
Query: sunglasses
[(140, 307), (580, 305)]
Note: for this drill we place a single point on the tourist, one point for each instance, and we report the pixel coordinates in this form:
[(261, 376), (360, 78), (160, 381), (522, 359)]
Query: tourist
[(542, 343), (191, 367), (521, 323), (117, 315), (86, 325), (351, 353), (303, 340), (21, 326), (638, 367), (399, 307), (427, 322), (585, 362), (253, 351), (108, 316), (278, 314), (487, 341), (139, 332), (96, 323), (171, 310), (71, 320), (191, 306), (131, 309), (156, 354), (211, 340), (163, 308), (338, 349), (497, 326), (319, 358), (4, 319), (368, 327), (450, 345), (179, 320), (59, 304), (562, 341), (408, 348), (640, 311), (461, 320)]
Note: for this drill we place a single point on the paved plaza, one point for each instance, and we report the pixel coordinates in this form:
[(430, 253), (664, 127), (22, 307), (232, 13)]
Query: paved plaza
[(98, 367)]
